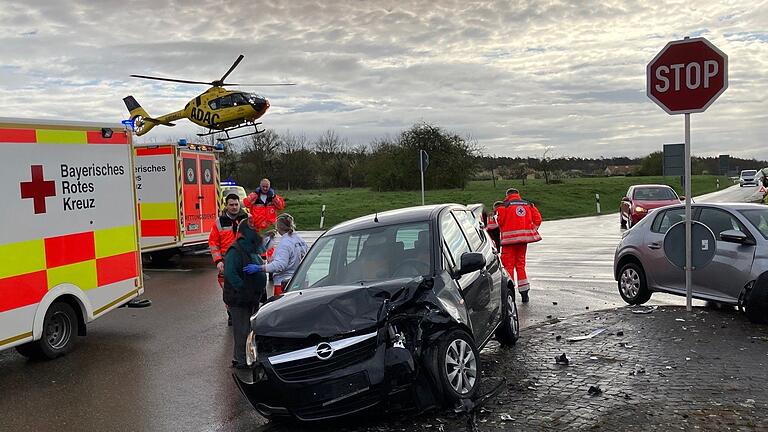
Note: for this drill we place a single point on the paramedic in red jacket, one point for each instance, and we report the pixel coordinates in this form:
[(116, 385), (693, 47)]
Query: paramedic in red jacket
[(519, 222), (264, 203), (224, 232)]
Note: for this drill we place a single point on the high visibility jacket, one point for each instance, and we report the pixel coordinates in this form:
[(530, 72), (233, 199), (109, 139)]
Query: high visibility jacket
[(223, 234), (264, 210), (519, 221), (492, 223)]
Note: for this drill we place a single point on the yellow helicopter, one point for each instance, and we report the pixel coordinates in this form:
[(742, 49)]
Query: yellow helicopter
[(218, 109)]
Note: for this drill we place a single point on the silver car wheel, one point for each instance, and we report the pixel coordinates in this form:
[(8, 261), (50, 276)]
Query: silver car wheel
[(514, 324), (630, 283), (460, 366)]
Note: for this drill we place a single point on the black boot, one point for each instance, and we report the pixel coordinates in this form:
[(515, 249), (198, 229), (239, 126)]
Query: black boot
[(524, 296), (229, 319)]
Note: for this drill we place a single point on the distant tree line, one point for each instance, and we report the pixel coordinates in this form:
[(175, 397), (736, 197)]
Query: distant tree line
[(330, 161), (292, 161)]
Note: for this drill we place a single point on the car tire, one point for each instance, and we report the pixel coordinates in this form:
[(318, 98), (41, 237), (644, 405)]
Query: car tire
[(456, 383), (632, 284), (60, 326), (508, 331), (756, 303)]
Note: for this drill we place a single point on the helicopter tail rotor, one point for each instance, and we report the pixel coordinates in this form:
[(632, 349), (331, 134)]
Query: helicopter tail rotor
[(142, 122)]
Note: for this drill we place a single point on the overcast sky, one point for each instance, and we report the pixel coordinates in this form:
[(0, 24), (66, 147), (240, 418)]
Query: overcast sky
[(517, 76)]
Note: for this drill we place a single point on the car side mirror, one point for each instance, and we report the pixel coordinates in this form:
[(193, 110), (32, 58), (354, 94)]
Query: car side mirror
[(470, 262), (682, 197), (734, 236)]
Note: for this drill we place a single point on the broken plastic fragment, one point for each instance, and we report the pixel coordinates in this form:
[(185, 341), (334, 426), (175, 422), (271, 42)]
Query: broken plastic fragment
[(562, 360), (594, 390), (619, 333), (506, 417), (589, 336)]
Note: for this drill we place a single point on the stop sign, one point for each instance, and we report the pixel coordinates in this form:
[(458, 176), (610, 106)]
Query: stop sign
[(687, 76)]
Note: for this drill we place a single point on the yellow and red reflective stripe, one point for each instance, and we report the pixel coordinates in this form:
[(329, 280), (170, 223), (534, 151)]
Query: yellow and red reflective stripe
[(117, 268), (22, 290), (115, 241), (69, 249), (33, 252), (56, 136)]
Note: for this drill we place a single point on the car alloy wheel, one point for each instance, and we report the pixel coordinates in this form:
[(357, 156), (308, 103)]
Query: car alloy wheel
[(514, 322), (630, 282), (461, 366)]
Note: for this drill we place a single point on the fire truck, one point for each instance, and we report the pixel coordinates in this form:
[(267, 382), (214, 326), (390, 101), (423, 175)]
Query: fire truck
[(69, 248), (177, 186)]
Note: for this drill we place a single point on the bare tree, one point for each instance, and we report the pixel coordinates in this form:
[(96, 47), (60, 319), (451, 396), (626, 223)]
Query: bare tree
[(545, 163)]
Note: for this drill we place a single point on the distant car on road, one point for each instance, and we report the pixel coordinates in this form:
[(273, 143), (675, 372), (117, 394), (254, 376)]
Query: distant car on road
[(388, 310), (738, 274), (748, 178), (641, 199)]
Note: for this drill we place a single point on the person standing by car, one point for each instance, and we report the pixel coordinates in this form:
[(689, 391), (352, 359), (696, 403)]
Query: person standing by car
[(493, 226), (223, 235), (242, 291), (288, 254), (519, 222)]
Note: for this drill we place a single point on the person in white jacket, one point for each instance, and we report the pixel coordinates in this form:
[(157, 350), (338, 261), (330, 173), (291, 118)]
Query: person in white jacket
[(288, 254)]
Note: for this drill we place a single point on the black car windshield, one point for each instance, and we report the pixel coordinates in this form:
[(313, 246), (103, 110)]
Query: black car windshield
[(748, 173), (654, 194), (758, 218), (367, 255)]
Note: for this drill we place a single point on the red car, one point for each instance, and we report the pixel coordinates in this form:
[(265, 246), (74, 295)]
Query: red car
[(641, 199)]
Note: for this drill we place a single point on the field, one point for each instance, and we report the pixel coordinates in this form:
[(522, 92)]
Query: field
[(572, 198)]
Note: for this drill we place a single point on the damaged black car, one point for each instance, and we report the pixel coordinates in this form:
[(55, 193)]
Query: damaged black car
[(388, 311)]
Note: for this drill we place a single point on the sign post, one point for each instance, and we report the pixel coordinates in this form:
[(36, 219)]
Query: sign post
[(423, 164), (685, 77)]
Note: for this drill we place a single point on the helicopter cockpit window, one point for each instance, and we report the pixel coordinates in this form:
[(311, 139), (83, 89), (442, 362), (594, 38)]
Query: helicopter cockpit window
[(214, 104), (238, 99), (253, 98), (225, 102)]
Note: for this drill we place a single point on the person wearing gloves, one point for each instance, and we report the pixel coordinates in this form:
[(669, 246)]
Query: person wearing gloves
[(242, 291), (287, 256)]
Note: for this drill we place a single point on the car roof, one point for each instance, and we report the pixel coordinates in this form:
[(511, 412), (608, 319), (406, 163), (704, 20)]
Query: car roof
[(392, 217), (725, 206), (652, 186)]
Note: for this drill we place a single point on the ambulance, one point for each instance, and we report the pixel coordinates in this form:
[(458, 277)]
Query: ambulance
[(177, 186), (69, 247)]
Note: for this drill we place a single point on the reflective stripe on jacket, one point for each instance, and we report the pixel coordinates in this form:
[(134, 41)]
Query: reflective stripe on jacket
[(518, 220), (223, 235)]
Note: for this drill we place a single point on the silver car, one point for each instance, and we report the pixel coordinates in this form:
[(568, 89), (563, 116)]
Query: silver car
[(738, 274)]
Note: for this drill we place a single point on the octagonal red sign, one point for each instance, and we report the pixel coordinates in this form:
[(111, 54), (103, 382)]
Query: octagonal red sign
[(687, 76)]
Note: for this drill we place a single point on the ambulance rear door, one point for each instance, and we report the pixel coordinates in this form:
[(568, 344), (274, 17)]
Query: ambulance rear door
[(199, 195), (157, 197)]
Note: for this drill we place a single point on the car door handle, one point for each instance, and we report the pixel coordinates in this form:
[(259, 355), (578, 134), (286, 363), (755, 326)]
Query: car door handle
[(654, 245)]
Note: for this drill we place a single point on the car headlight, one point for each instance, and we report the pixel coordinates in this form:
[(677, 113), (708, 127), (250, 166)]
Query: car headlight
[(251, 353), (639, 209)]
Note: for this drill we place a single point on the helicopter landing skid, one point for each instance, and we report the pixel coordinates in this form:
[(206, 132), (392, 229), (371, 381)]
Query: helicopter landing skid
[(227, 131)]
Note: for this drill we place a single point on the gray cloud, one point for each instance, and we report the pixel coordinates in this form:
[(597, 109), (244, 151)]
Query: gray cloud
[(515, 75)]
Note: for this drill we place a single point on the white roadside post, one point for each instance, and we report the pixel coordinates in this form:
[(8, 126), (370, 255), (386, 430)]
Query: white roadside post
[(322, 216), (597, 202), (423, 164), (685, 77)]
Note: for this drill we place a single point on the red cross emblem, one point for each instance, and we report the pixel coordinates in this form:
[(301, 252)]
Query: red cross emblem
[(38, 189)]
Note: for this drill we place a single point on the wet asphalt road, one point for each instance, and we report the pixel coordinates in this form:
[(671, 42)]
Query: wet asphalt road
[(165, 367)]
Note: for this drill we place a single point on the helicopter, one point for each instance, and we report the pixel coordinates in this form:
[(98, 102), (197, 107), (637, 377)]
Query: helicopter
[(218, 109)]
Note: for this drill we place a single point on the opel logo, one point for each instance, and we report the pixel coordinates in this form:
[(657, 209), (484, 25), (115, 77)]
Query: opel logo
[(324, 351)]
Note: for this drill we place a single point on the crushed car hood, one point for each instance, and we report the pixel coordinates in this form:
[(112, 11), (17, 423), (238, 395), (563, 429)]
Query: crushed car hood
[(331, 311)]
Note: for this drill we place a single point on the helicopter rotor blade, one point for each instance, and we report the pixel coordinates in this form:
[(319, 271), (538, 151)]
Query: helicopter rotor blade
[(260, 85), (234, 65), (171, 80)]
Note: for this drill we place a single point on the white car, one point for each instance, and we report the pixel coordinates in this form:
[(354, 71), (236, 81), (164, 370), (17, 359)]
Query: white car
[(748, 178)]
